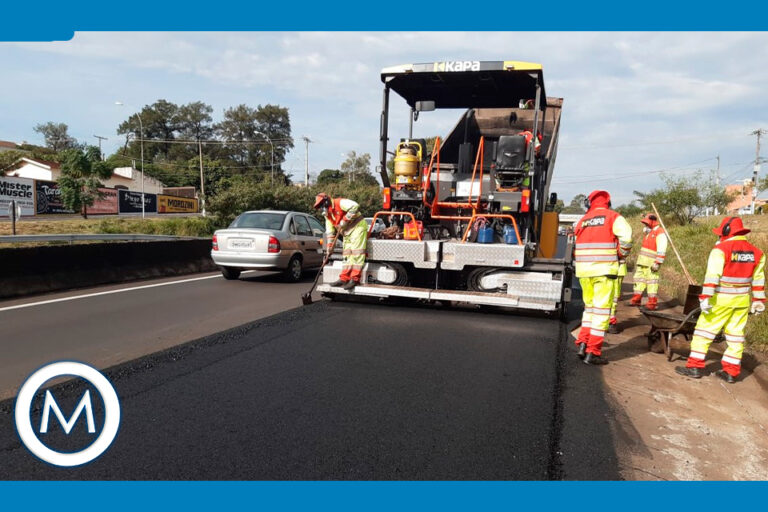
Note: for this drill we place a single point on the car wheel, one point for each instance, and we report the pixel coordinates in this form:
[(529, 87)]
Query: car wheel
[(230, 273), (292, 274)]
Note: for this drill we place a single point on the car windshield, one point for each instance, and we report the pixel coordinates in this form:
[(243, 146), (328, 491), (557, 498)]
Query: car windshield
[(260, 221)]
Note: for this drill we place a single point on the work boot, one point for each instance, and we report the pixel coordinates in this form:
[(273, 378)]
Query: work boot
[(727, 377), (349, 285), (636, 299), (652, 304), (594, 359), (337, 283), (582, 352), (613, 327), (694, 373)]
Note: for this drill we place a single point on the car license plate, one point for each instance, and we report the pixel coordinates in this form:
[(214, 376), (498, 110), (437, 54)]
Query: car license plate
[(241, 243)]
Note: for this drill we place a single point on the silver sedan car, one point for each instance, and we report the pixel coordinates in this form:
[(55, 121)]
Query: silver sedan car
[(269, 240)]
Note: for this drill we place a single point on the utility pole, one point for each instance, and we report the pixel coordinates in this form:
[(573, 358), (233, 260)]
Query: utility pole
[(202, 180), (306, 160), (717, 180), (759, 132), (100, 139)]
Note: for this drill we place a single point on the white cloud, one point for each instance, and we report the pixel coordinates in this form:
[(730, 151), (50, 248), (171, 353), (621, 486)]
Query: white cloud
[(619, 88)]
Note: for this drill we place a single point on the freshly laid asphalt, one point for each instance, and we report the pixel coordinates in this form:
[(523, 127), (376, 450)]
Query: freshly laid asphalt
[(349, 391)]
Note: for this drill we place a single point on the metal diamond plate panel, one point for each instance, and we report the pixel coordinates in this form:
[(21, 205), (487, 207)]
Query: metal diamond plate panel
[(542, 290), (420, 254), (457, 255)]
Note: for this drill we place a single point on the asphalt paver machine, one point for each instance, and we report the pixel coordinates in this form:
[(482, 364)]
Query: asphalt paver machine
[(471, 218)]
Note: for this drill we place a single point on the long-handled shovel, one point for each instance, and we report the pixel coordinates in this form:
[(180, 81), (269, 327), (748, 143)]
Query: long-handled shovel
[(306, 299), (692, 295)]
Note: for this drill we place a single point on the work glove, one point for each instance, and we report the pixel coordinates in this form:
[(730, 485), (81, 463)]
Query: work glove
[(343, 224), (704, 304), (757, 307), (655, 267)]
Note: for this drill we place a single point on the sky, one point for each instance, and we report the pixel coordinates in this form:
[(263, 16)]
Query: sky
[(635, 104)]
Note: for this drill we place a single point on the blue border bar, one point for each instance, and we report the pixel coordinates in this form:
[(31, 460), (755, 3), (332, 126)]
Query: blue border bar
[(387, 496), (48, 21)]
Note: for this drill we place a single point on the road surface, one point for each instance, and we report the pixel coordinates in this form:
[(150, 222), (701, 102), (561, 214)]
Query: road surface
[(349, 391), (108, 325)]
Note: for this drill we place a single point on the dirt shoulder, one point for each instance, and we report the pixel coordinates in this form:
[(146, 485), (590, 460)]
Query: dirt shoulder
[(669, 427)]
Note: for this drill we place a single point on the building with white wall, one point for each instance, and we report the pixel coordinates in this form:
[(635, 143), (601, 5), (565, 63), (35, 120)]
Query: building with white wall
[(122, 177)]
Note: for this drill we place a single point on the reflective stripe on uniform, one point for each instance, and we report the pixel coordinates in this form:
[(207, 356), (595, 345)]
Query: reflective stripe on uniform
[(734, 339), (736, 280), (732, 290), (732, 360), (704, 334), (603, 258), (608, 245), (697, 355)]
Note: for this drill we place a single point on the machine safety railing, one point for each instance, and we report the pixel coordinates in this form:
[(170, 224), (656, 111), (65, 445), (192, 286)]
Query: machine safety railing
[(436, 204)]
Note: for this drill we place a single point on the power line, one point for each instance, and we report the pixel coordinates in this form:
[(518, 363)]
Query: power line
[(631, 174), (649, 143)]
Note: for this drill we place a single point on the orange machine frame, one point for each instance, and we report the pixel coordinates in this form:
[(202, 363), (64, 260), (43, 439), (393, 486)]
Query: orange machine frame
[(391, 214)]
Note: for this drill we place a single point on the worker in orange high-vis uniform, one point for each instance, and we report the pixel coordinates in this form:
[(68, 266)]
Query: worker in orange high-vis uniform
[(649, 261), (734, 286), (343, 214), (602, 238)]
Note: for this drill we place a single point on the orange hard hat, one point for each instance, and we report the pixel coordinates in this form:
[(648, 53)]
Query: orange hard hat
[(731, 226), (321, 199), (650, 220)]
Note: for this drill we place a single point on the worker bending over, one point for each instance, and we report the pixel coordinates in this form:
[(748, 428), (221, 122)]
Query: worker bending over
[(734, 286), (602, 238), (343, 215), (649, 261)]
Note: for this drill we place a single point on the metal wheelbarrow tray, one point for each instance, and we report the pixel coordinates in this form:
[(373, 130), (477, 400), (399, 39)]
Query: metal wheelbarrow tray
[(666, 325)]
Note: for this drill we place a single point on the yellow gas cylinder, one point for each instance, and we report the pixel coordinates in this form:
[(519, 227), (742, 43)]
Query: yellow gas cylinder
[(407, 165)]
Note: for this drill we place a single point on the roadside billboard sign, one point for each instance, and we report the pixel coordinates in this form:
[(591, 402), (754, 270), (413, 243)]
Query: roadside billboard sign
[(175, 204), (130, 202), (106, 205), (48, 196), (21, 190)]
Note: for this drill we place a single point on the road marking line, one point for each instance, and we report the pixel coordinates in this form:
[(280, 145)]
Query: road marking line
[(87, 295)]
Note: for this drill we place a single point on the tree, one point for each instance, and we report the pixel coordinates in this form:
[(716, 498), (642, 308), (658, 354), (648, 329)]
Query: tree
[(685, 197), (79, 182), (159, 121), (193, 122), (8, 158), (264, 124), (629, 210), (56, 136), (577, 205), (330, 176), (358, 168)]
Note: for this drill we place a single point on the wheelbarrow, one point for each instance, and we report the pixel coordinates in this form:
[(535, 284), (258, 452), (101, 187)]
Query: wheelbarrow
[(665, 326)]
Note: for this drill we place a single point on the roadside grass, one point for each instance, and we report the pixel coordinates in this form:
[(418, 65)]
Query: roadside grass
[(694, 242), (176, 226)]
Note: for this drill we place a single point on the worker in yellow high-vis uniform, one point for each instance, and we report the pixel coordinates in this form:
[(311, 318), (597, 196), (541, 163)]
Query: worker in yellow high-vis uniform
[(649, 261), (613, 323), (734, 286), (344, 215), (602, 238)]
